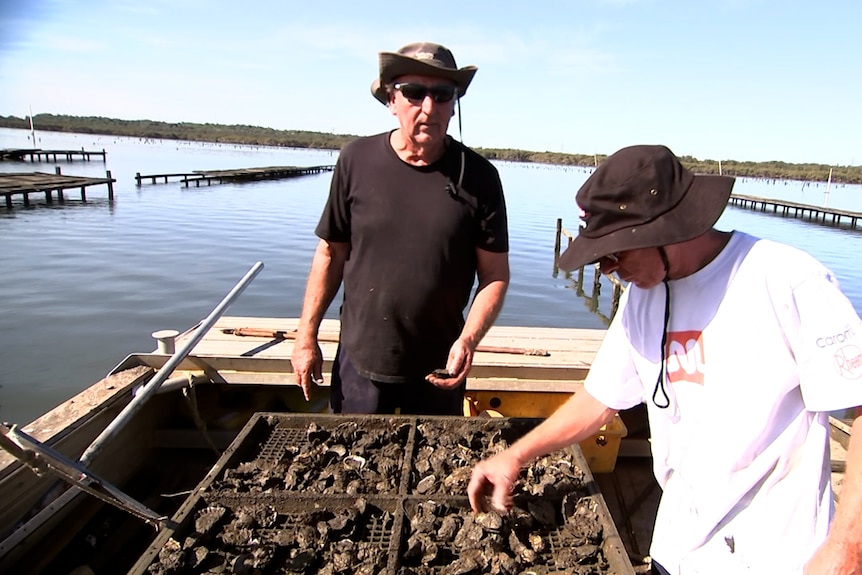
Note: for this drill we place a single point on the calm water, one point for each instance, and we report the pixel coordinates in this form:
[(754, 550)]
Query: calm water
[(85, 284)]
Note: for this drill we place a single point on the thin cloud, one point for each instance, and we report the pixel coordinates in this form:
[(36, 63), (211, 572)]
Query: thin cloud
[(581, 61), (622, 3), (71, 44)]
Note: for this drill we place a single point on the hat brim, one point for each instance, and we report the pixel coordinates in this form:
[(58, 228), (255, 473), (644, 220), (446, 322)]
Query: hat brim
[(695, 214), (394, 65)]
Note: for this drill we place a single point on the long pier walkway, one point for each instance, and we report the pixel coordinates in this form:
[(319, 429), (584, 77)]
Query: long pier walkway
[(37, 182), (40, 155), (796, 210), (238, 175)]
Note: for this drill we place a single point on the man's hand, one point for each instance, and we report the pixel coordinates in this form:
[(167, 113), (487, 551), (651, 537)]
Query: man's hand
[(457, 367), (307, 361), (495, 477)]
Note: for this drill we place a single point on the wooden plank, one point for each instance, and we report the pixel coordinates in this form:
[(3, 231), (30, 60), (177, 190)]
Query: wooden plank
[(558, 338), (839, 431), (576, 357), (247, 365), (237, 357), (266, 361)]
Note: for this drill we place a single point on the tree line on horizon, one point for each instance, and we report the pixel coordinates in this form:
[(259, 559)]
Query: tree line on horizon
[(261, 136)]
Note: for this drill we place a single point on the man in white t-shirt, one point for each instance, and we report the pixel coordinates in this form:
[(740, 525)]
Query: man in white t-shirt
[(740, 348)]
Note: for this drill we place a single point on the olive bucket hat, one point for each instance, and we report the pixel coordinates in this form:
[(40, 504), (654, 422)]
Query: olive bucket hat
[(641, 197), (422, 58)]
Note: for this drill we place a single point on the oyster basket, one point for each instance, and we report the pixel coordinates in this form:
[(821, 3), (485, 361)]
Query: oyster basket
[(568, 539), (284, 471)]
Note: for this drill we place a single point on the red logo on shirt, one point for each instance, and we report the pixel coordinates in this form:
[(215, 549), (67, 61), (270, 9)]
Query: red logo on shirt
[(685, 358), (848, 362)]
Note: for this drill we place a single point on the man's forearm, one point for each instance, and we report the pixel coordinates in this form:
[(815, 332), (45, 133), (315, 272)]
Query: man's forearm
[(486, 306), (493, 271), (846, 528), (577, 419), (324, 279)]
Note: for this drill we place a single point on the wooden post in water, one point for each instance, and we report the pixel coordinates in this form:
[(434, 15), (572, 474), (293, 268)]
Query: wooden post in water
[(59, 190), (32, 130), (558, 240), (110, 186), (137, 178), (615, 298), (597, 289)]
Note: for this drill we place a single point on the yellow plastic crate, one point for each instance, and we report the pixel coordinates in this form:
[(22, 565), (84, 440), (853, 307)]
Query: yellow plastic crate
[(600, 450)]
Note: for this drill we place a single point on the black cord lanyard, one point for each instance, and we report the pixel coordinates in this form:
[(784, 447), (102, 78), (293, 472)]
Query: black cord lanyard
[(660, 382)]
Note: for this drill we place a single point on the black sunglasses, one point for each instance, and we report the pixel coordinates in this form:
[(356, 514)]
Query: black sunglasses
[(417, 92)]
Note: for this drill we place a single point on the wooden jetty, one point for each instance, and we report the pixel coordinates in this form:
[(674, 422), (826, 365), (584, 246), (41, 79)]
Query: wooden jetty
[(162, 177), (25, 184), (237, 175), (40, 155), (809, 212)]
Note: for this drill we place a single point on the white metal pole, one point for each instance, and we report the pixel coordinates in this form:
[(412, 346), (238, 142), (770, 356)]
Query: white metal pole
[(153, 385)]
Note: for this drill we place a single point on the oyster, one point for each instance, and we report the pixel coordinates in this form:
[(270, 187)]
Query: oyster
[(427, 484), (208, 517)]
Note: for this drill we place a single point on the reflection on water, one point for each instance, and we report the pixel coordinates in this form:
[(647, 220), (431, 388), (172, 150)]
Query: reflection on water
[(86, 283)]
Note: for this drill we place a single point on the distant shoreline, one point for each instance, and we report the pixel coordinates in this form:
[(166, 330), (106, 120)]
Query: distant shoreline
[(259, 136)]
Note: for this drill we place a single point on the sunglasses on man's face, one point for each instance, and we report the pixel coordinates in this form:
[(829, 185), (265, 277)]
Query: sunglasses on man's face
[(417, 92)]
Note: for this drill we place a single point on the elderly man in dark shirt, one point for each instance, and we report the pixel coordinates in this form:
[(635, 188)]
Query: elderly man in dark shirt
[(414, 218)]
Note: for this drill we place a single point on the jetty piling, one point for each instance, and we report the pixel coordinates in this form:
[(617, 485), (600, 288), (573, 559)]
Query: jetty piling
[(591, 299), (557, 242)]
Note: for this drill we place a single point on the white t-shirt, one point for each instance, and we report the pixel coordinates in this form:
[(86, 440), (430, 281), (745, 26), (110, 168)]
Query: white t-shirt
[(761, 345)]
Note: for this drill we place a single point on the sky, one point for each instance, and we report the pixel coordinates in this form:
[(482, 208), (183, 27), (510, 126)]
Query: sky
[(754, 80)]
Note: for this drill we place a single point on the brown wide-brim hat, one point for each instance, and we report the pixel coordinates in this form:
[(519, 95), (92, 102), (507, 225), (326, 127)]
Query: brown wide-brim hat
[(641, 197), (421, 58)]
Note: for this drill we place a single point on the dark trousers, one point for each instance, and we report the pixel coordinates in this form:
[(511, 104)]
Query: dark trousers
[(350, 392), (656, 569)]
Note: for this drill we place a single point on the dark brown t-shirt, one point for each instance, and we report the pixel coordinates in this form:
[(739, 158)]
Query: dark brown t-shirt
[(413, 233)]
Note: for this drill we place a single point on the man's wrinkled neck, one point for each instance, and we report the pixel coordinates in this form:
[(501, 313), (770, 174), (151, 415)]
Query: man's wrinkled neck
[(416, 153)]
